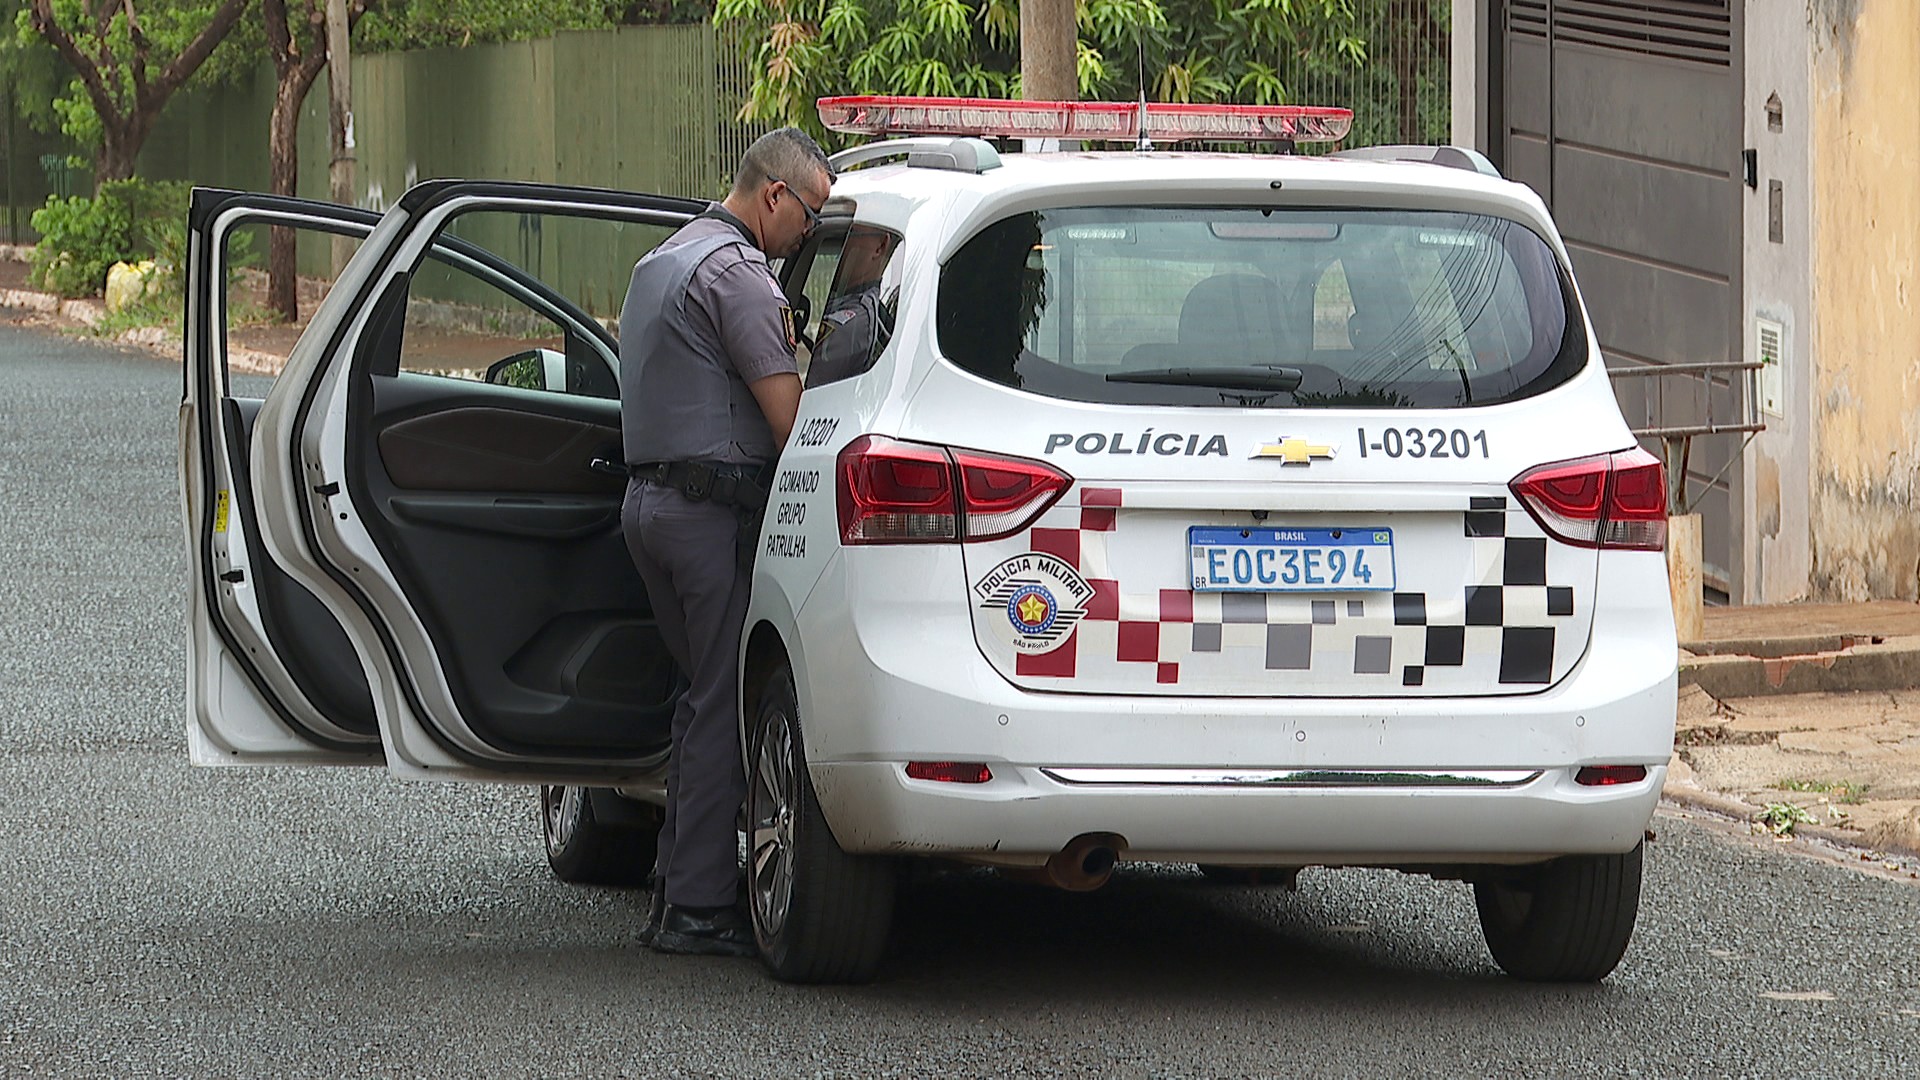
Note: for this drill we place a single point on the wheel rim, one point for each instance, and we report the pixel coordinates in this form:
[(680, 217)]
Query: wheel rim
[(770, 806), (564, 806)]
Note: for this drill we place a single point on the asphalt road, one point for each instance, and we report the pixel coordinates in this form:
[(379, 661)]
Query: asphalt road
[(160, 920)]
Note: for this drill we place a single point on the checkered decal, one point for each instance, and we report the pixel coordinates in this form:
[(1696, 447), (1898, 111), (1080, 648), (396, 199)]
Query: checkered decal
[(1515, 620)]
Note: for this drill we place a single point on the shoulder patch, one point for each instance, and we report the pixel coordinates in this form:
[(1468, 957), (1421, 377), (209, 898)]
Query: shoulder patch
[(786, 320)]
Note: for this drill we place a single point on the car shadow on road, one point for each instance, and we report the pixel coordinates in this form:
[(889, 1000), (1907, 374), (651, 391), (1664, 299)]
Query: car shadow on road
[(1167, 933)]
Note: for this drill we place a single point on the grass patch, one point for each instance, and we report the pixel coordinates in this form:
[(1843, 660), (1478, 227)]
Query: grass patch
[(155, 311), (1841, 791)]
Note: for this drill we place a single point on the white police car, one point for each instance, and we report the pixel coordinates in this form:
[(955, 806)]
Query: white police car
[(1254, 511)]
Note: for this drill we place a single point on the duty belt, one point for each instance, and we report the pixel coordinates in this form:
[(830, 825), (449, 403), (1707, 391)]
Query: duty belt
[(726, 484)]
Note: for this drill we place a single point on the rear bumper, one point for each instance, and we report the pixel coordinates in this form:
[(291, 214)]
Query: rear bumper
[(892, 676), (1024, 814)]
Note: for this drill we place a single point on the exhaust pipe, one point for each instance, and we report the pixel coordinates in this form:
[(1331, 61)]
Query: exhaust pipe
[(1086, 862)]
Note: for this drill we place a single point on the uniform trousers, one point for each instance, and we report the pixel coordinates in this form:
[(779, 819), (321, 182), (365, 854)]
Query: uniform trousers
[(684, 551)]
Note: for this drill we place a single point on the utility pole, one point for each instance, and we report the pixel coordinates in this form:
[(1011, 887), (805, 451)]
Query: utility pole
[(1049, 51), (340, 169)]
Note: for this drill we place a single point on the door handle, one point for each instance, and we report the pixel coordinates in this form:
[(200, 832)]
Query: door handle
[(606, 467)]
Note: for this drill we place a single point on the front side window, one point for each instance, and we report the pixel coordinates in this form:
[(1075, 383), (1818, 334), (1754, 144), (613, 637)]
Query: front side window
[(857, 321), (510, 298), (1277, 307)]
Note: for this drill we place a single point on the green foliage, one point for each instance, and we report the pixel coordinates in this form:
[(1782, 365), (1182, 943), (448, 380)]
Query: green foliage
[(1193, 50), (167, 26), (1206, 51), (161, 306), (423, 24), (32, 70), (127, 221), (1781, 819)]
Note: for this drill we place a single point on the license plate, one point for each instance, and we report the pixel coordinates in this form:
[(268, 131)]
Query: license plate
[(1225, 559)]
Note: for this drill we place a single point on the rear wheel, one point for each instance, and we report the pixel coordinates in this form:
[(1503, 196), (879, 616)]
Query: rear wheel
[(1568, 920), (594, 837), (819, 914)]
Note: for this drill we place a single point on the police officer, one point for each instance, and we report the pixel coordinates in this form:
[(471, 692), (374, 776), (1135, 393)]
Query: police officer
[(708, 392), (857, 322)]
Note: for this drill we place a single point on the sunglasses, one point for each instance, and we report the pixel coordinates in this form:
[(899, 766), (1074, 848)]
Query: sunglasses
[(813, 216)]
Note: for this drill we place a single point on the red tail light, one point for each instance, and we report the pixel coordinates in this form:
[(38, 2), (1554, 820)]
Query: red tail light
[(1609, 775), (1616, 500), (949, 772), (893, 492)]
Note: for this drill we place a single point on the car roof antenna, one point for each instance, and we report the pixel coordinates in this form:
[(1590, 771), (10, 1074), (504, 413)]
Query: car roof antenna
[(1142, 144)]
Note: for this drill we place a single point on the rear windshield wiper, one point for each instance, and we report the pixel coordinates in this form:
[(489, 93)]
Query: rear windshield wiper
[(1263, 377)]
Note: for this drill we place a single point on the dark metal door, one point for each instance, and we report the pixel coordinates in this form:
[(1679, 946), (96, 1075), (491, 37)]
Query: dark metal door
[(1625, 115)]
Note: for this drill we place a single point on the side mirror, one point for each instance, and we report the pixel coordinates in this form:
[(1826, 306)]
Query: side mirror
[(535, 369)]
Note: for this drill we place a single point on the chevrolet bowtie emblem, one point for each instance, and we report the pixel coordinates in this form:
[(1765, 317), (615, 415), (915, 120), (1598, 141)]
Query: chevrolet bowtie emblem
[(1292, 450)]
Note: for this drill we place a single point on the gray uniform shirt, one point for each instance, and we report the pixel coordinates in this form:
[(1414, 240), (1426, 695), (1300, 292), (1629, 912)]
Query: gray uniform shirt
[(703, 318)]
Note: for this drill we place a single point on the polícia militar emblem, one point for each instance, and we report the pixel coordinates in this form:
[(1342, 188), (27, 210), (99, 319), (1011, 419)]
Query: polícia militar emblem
[(1032, 602), (1032, 609)]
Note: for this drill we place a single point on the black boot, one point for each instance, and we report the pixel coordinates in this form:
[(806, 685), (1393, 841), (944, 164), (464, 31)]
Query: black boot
[(720, 931)]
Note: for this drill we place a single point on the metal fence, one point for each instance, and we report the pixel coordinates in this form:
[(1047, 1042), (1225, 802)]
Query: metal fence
[(1401, 93)]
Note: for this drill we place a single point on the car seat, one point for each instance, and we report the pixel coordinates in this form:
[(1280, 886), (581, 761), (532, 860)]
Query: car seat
[(1225, 320)]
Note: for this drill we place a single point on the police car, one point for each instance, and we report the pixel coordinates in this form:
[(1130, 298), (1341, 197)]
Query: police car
[(1255, 511)]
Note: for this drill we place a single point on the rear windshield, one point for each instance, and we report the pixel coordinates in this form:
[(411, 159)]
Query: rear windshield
[(1247, 307)]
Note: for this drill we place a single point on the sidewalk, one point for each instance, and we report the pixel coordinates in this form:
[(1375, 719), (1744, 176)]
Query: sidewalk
[(1810, 706)]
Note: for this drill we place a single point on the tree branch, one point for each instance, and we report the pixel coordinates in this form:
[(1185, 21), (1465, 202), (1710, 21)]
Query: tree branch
[(194, 55), (137, 66), (280, 44), (84, 66)]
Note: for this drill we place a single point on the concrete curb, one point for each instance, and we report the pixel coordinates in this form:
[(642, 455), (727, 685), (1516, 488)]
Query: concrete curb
[(1891, 664), (153, 339), (1686, 793)]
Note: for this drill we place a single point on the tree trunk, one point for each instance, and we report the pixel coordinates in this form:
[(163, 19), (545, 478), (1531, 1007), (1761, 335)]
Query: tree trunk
[(1049, 51), (283, 178), (117, 155)]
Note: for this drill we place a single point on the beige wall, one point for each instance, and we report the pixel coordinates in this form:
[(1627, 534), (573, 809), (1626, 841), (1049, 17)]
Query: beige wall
[(1866, 335)]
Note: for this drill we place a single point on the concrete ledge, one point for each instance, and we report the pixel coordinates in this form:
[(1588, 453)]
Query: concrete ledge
[(45, 303), (1684, 792), (1893, 664)]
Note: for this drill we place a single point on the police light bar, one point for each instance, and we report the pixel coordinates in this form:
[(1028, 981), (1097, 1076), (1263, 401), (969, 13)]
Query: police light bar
[(1108, 120)]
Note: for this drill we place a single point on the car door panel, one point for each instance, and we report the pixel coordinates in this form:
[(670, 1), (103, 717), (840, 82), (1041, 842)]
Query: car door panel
[(468, 529), (568, 657), (272, 679), (484, 447), (306, 639)]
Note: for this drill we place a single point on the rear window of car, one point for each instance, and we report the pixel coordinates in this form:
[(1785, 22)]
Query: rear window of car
[(1285, 308)]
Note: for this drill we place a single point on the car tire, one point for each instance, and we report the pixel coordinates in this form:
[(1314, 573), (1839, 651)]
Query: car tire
[(595, 837), (820, 915), (1567, 920)]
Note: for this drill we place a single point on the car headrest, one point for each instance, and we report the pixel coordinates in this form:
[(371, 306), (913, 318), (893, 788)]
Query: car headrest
[(1238, 311)]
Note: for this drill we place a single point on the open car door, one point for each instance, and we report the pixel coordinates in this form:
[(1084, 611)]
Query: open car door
[(272, 677), (440, 464)]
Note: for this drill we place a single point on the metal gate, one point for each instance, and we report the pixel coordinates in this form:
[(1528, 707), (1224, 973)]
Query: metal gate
[(1625, 115)]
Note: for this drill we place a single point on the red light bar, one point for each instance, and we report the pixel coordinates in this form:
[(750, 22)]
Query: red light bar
[(1109, 120)]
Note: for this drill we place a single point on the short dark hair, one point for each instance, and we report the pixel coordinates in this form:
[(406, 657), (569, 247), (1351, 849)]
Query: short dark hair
[(788, 153)]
